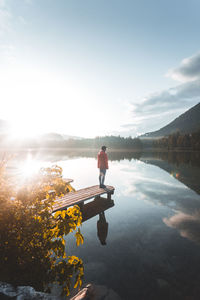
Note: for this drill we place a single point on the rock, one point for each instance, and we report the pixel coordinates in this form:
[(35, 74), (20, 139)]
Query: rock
[(96, 292), (7, 291), (28, 292), (89, 292)]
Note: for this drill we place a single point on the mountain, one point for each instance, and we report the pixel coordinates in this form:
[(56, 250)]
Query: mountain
[(188, 122), (53, 136), (67, 137)]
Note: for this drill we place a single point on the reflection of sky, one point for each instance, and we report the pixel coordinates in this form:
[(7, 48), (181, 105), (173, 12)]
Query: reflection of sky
[(141, 250), (188, 225), (136, 183), (138, 240)]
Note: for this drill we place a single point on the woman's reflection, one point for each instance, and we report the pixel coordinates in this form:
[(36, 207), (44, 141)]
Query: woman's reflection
[(102, 228)]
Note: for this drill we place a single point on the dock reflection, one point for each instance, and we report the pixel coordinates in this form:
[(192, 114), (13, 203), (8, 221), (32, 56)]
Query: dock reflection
[(98, 207)]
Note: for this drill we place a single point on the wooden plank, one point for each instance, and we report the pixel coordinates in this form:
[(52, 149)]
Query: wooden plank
[(85, 193), (95, 190), (67, 180), (81, 195)]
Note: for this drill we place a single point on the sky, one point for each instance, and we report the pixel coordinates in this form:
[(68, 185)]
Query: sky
[(97, 67)]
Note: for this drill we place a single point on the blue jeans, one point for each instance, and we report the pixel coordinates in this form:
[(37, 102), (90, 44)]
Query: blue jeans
[(102, 176)]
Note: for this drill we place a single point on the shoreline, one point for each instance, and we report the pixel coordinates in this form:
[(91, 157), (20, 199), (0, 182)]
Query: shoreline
[(95, 149)]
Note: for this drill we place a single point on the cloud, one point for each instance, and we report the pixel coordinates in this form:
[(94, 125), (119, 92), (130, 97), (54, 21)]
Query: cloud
[(29, 2), (169, 99), (2, 3), (22, 20), (5, 19), (189, 69), (158, 109), (7, 55)]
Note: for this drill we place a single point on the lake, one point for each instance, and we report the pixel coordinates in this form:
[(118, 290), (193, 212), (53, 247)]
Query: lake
[(151, 234)]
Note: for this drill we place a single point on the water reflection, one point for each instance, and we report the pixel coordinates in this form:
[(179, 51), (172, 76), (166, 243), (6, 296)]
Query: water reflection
[(102, 228), (187, 225), (143, 258), (185, 167), (98, 207), (63, 154)]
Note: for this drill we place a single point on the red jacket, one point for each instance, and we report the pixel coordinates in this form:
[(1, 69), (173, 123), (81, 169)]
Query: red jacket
[(102, 160)]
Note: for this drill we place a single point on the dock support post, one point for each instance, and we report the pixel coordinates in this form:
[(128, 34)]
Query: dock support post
[(81, 204), (109, 196)]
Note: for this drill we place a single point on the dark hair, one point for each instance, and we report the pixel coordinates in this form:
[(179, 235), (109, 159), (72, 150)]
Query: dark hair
[(103, 148)]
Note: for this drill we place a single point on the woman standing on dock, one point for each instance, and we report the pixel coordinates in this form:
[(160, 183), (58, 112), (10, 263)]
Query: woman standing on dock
[(102, 164)]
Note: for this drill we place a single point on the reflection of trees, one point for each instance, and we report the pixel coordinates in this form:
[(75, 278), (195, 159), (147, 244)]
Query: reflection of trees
[(64, 154), (124, 155), (184, 166), (177, 158), (112, 155)]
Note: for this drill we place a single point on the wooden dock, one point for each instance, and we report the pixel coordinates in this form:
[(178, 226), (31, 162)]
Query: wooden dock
[(68, 180), (78, 197)]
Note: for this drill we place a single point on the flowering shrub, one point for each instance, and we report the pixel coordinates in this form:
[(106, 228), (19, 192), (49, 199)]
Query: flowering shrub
[(33, 248)]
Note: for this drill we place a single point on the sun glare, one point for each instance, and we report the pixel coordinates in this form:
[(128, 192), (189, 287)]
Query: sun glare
[(29, 168)]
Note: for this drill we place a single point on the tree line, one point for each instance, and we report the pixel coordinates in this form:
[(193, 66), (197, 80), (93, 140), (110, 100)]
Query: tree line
[(113, 142), (189, 141)]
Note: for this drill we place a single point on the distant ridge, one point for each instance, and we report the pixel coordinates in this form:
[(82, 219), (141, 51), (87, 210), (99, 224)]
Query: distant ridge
[(188, 122)]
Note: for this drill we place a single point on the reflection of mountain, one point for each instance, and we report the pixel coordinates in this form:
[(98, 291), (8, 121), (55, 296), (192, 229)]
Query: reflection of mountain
[(185, 167)]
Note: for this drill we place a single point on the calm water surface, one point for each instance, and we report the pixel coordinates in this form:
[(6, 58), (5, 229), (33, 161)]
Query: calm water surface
[(152, 245)]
